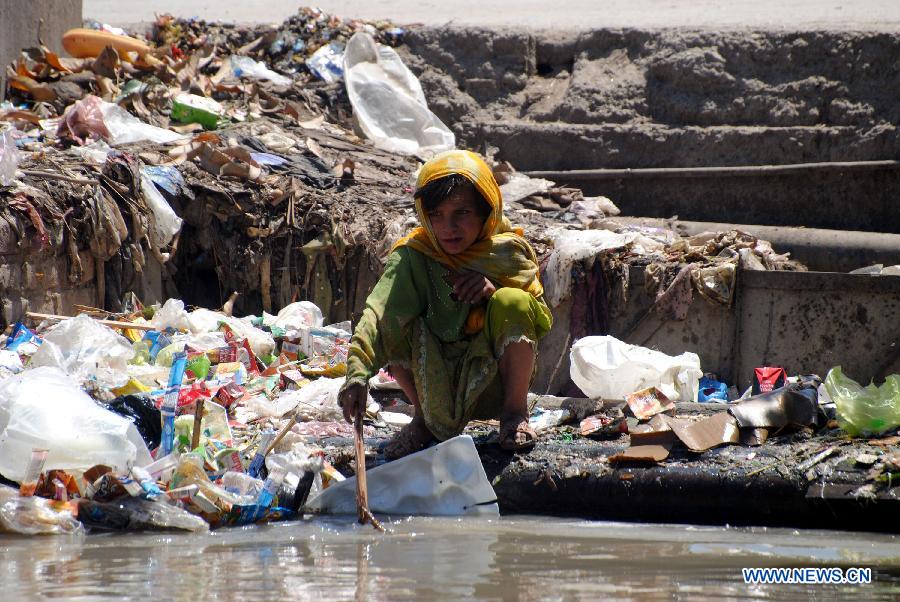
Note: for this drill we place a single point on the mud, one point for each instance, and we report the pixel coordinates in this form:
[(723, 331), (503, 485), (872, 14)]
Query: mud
[(632, 98)]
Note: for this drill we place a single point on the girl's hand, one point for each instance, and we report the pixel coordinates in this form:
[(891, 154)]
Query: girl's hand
[(471, 287), (353, 400)]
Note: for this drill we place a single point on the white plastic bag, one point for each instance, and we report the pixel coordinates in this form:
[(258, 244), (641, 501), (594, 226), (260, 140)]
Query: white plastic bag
[(9, 158), (388, 102), (605, 367), (244, 66), (44, 408), (173, 315), (295, 316), (125, 128), (164, 223), (86, 350), (570, 246)]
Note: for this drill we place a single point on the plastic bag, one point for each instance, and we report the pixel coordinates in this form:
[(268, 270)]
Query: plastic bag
[(44, 408), (316, 401), (125, 128), (137, 514), (388, 102), (327, 62), (35, 515), (570, 246), (244, 66), (607, 368), (143, 412), (164, 223), (9, 158), (864, 410), (86, 350), (296, 316)]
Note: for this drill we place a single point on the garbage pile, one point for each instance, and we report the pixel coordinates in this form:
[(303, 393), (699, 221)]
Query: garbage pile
[(167, 418), (219, 163)]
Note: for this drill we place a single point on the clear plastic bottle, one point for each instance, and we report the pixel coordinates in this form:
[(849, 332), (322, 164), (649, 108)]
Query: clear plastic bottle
[(270, 488)]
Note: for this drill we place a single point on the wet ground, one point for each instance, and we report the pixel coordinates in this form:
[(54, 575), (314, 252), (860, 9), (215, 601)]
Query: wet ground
[(511, 558)]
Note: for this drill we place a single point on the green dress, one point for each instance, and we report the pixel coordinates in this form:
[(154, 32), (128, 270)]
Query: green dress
[(410, 320)]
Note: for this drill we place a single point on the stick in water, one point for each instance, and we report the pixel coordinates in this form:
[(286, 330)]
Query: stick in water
[(362, 493)]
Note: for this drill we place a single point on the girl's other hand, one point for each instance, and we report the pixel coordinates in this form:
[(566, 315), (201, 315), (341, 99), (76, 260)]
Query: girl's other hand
[(471, 287)]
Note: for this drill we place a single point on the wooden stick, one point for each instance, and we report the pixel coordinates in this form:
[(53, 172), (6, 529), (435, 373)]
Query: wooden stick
[(198, 418), (364, 515), (111, 323), (284, 431), (58, 176)]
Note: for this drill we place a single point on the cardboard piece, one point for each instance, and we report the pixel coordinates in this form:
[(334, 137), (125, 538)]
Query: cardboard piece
[(754, 437), (642, 453), (718, 429), (656, 432), (648, 402)]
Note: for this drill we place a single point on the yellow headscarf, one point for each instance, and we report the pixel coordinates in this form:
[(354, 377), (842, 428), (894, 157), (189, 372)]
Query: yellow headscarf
[(500, 252)]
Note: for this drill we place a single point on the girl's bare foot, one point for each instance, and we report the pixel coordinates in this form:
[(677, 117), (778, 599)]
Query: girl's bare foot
[(515, 433), (413, 437)]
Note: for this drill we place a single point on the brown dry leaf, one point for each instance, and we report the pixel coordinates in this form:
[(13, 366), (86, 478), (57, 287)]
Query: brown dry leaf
[(108, 89), (188, 128), (886, 442), (53, 60), (106, 63), (21, 116), (314, 148), (23, 70), (312, 124), (39, 91)]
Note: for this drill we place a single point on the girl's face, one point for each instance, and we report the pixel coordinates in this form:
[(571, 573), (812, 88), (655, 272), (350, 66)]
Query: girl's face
[(456, 222)]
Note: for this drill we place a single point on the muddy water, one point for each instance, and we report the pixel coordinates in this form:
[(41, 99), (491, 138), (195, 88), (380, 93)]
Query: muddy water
[(513, 558)]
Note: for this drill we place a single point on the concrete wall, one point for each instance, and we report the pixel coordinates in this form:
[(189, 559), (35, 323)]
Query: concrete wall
[(644, 98), (807, 322), (24, 22)]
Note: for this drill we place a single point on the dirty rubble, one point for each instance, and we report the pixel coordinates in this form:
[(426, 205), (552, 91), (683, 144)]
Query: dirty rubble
[(192, 221)]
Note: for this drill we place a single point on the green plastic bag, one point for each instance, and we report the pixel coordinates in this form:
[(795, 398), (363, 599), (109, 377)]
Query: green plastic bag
[(864, 410)]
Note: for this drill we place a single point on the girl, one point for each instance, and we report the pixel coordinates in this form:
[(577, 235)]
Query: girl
[(457, 314)]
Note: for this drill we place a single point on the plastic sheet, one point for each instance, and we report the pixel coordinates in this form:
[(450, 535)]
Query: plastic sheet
[(606, 367), (165, 223), (87, 351), (388, 102), (862, 410), (9, 158), (44, 408), (445, 480)]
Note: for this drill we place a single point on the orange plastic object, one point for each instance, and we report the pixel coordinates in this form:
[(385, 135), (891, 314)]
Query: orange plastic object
[(89, 43)]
